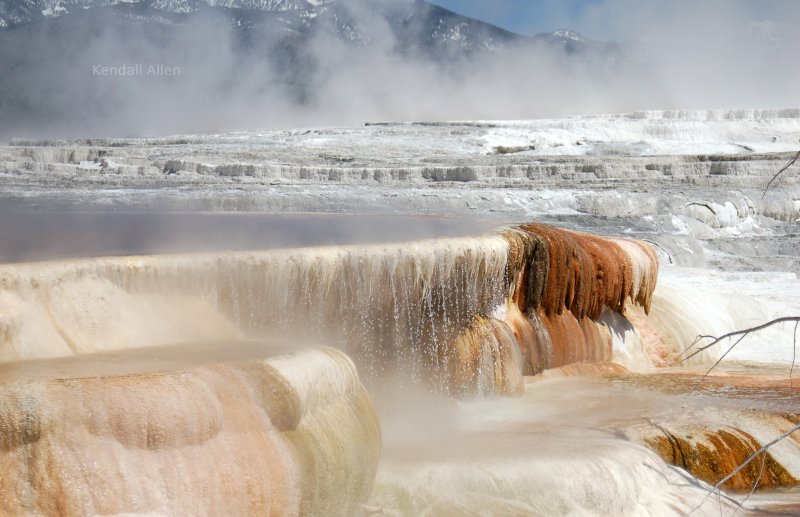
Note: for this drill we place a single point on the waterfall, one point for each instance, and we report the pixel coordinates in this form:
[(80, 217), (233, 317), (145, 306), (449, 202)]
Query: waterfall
[(464, 315), (95, 428)]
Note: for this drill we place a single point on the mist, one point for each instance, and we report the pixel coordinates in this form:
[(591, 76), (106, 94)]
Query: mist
[(69, 234), (698, 55)]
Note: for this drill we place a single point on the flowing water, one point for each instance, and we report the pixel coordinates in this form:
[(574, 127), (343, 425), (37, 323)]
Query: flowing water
[(178, 364)]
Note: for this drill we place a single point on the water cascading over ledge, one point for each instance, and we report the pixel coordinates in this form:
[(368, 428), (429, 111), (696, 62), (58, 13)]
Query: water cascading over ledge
[(463, 315)]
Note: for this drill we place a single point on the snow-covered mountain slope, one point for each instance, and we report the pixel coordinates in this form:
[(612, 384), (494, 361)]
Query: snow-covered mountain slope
[(255, 60), (414, 24), (16, 12)]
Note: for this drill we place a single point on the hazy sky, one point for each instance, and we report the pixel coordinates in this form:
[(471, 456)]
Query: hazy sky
[(525, 16), (676, 54), (606, 19)]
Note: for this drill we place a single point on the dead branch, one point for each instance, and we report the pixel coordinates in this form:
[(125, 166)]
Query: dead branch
[(739, 333), (762, 450), (755, 485), (794, 352), (785, 167)]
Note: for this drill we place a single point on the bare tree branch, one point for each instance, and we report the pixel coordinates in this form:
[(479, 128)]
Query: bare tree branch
[(722, 357), (764, 449), (738, 333), (794, 353), (785, 167), (755, 485)]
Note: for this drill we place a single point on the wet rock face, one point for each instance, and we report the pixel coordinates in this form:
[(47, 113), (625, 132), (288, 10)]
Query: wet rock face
[(715, 454), (582, 273), (751, 409), (564, 283), (495, 306), (466, 316), (294, 435)]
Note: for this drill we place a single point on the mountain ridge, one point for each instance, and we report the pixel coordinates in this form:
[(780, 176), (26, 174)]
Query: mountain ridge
[(425, 22), (238, 64)]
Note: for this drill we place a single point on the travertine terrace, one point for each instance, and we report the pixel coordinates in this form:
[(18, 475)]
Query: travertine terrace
[(542, 331)]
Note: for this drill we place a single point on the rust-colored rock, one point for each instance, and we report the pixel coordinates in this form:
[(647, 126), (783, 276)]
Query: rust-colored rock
[(562, 281), (484, 359), (575, 341), (715, 454), (582, 273)]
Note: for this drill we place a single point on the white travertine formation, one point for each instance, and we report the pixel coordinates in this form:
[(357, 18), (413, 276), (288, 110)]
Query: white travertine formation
[(294, 435)]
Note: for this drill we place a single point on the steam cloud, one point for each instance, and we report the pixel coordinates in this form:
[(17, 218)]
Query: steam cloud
[(707, 55)]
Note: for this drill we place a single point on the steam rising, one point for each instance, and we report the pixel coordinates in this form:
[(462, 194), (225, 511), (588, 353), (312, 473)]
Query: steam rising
[(212, 427), (701, 55)]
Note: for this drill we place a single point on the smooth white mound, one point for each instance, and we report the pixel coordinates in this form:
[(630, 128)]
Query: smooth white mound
[(294, 435)]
